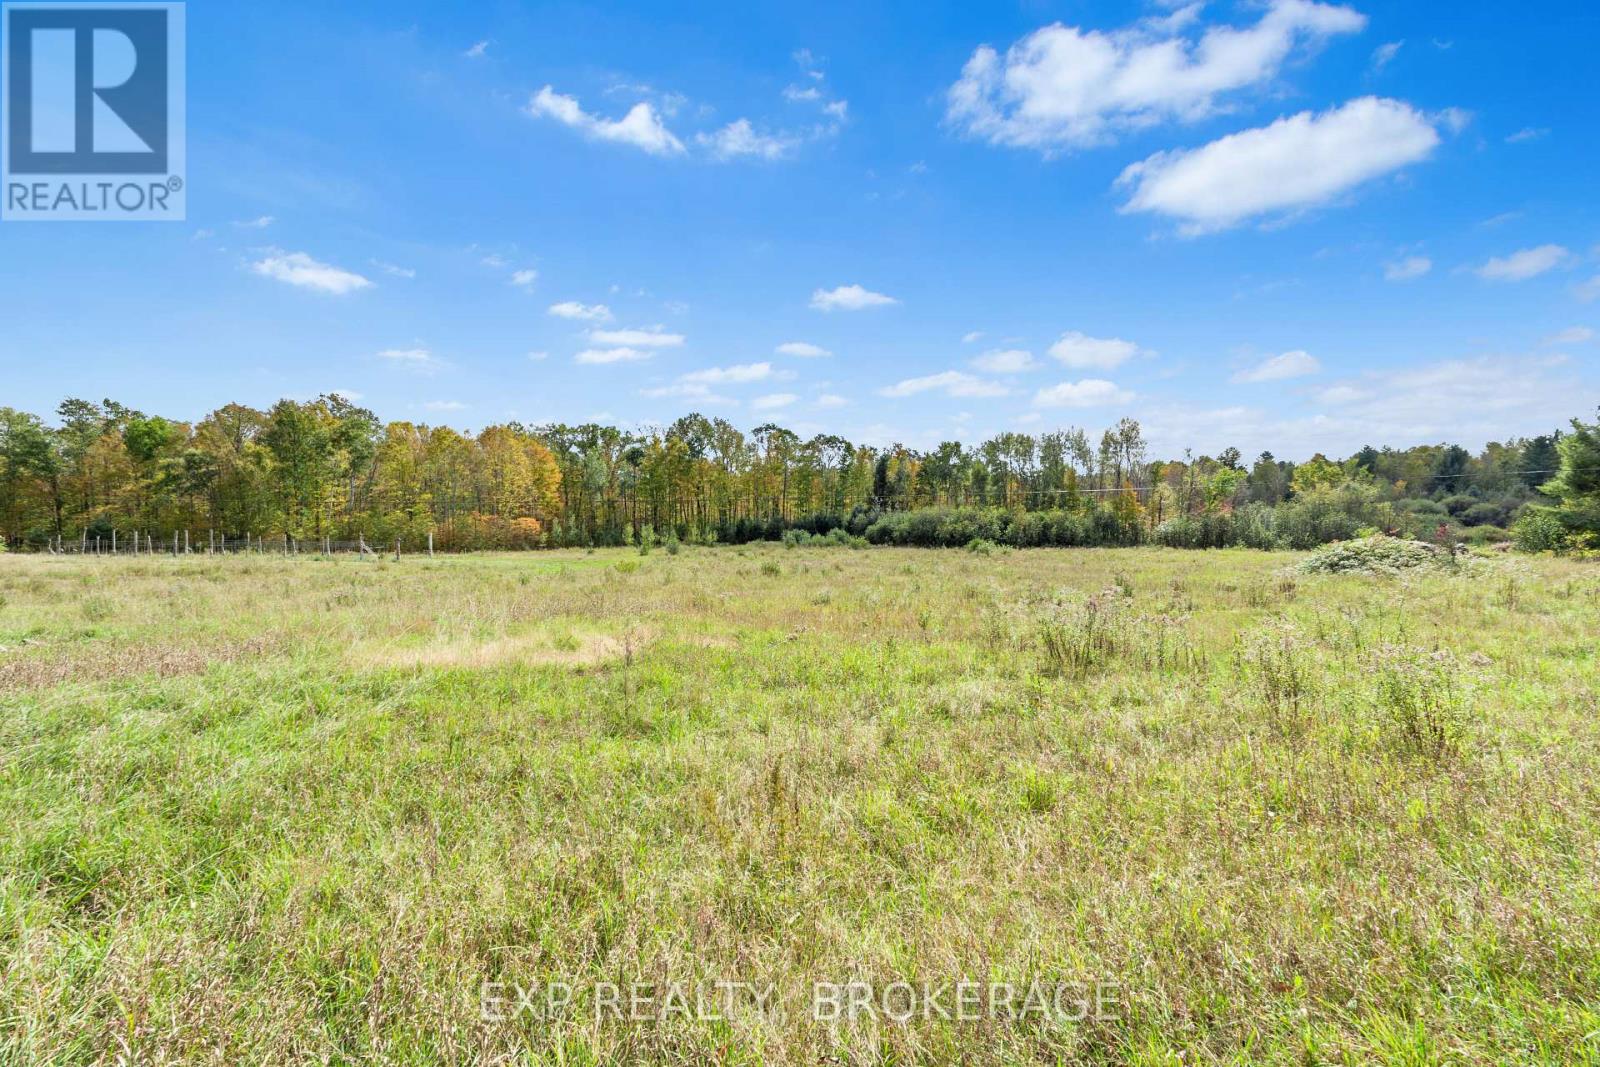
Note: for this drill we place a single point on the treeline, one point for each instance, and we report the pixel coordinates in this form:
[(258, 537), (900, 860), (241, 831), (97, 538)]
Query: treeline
[(328, 469)]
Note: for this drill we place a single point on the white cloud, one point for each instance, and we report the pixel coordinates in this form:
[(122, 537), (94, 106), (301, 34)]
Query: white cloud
[(477, 51), (1066, 87), (495, 260), (972, 337), (796, 93), (1005, 361), (611, 355), (1296, 364), (1089, 393), (832, 400), (641, 127), (571, 309), (257, 223), (697, 392), (347, 394), (1102, 353), (654, 337), (524, 279), (445, 405), (773, 401), (1407, 269), (1588, 291), (849, 298), (1384, 54), (1572, 335), (802, 350), (419, 359), (538, 357), (739, 139), (951, 382), (1297, 162), (1527, 133), (392, 270), (299, 269), (1520, 266), (739, 373)]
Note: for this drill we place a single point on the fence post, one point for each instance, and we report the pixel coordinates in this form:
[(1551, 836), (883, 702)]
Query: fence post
[(174, 544), (430, 544), (113, 540), (397, 550), (83, 547)]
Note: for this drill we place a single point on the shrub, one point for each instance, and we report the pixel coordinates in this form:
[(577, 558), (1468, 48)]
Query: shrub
[(979, 546), (1538, 531)]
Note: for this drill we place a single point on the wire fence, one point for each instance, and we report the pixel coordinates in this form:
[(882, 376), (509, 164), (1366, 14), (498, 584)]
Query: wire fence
[(186, 543)]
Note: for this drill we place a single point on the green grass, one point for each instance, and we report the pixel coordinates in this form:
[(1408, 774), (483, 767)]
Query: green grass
[(257, 810)]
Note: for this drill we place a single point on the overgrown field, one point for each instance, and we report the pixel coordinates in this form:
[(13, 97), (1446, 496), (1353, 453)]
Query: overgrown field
[(258, 810)]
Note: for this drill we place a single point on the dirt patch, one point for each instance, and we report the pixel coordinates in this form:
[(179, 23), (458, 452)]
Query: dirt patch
[(538, 650)]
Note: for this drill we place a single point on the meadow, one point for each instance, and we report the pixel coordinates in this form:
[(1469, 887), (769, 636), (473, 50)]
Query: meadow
[(267, 810)]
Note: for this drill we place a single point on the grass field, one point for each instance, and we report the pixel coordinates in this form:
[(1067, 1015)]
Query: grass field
[(256, 810)]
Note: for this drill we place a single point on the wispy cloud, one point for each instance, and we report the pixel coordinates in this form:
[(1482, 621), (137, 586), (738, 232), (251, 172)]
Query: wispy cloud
[(849, 298), (301, 271), (773, 401), (740, 138), (1286, 365), (418, 359), (641, 127), (654, 337), (802, 350), (952, 383), (393, 271), (1006, 361), (1407, 269), (1572, 335), (1520, 266), (477, 51), (524, 279), (259, 223), (571, 309), (621, 354)]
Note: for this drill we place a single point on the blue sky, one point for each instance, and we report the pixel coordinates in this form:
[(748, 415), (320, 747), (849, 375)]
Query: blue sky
[(1288, 225)]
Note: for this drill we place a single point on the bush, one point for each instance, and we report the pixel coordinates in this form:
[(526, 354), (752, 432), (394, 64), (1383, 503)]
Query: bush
[(1539, 531), (978, 546)]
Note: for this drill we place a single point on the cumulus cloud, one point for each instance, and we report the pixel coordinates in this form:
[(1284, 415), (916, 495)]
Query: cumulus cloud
[(953, 383), (654, 337), (611, 355), (1286, 365), (1066, 87), (1005, 361), (1102, 353), (972, 337), (832, 400), (740, 139), (1407, 269), (1520, 266), (524, 279), (849, 298), (571, 309), (802, 350), (300, 270), (1297, 162), (1088, 393), (641, 127)]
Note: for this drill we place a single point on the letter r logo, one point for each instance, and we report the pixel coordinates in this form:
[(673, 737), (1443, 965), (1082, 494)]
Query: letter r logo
[(87, 89)]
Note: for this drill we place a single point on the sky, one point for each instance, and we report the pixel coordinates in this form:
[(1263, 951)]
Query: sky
[(1279, 225)]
